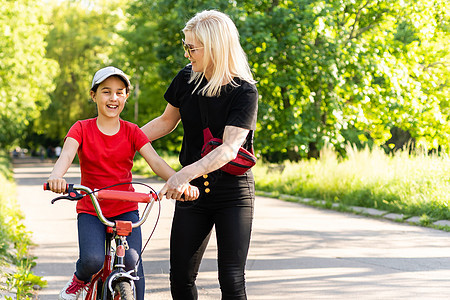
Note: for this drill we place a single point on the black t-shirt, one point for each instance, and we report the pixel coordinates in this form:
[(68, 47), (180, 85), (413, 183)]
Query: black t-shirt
[(236, 106)]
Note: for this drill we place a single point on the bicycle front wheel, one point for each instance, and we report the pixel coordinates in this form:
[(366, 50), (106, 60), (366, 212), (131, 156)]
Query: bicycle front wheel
[(123, 291)]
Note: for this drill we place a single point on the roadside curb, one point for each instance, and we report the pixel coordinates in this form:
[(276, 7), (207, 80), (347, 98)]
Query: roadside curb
[(370, 212)]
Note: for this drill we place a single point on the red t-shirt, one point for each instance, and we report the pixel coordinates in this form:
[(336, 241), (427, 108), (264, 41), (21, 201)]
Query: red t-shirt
[(106, 160)]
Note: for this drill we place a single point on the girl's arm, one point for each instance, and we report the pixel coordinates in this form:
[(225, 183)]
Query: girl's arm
[(233, 137), (163, 124), (163, 170), (56, 181), (158, 165)]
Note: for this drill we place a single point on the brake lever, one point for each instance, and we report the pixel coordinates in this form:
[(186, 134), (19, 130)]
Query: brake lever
[(63, 197), (72, 195)]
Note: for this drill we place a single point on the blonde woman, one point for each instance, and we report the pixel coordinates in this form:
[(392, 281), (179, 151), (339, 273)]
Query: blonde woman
[(217, 85)]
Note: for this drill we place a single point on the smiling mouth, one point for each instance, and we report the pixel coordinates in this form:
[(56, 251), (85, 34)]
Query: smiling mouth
[(112, 106)]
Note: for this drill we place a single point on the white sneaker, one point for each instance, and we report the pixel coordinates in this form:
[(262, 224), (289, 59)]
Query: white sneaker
[(73, 289)]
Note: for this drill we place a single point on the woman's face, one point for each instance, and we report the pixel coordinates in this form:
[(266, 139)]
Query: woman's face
[(110, 97), (196, 53)]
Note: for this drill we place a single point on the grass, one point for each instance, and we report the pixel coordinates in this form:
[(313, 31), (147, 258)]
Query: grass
[(414, 185), (15, 263)]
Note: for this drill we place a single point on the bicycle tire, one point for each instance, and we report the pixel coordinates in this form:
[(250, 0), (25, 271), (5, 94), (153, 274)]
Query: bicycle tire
[(124, 291)]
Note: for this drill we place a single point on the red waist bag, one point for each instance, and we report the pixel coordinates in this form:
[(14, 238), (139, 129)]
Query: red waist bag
[(242, 163)]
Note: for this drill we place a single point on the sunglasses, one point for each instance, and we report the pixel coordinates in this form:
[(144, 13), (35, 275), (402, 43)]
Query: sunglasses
[(188, 49)]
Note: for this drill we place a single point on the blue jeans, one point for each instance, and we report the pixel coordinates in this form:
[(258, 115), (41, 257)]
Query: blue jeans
[(227, 205), (91, 241)]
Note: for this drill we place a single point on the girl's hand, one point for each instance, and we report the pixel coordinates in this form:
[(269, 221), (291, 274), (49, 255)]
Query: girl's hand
[(57, 184), (191, 193)]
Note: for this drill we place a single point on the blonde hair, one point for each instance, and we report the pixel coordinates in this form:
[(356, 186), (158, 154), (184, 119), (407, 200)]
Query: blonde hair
[(222, 51)]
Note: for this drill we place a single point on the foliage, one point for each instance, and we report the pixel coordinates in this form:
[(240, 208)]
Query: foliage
[(82, 40), (327, 68), (329, 72), (14, 238), (414, 185), (24, 280), (25, 74)]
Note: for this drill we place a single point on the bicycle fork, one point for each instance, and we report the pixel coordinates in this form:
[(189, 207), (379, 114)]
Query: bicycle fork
[(123, 229)]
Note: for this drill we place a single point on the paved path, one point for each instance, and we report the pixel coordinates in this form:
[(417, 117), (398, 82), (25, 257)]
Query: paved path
[(297, 252)]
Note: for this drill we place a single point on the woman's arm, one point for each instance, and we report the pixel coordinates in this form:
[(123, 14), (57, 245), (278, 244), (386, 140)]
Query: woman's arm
[(233, 138), (56, 181), (163, 124)]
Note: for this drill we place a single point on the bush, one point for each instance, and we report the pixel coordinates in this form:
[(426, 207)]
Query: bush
[(14, 239)]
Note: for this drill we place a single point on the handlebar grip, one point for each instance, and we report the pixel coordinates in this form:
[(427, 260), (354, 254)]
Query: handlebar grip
[(46, 187), (126, 196)]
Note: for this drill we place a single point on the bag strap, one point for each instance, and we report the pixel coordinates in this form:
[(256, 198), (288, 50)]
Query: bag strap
[(207, 135)]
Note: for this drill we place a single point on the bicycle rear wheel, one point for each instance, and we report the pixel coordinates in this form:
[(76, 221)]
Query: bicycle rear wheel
[(123, 291)]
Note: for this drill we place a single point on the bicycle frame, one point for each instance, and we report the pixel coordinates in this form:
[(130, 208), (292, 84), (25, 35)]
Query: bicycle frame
[(112, 272)]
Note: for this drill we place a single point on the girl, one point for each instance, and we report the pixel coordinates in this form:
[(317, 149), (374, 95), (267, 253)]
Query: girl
[(106, 146)]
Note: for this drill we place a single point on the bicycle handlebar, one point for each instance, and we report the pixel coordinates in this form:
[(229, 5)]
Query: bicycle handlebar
[(73, 194)]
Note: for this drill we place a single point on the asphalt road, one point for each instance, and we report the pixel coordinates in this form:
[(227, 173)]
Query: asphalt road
[(297, 252)]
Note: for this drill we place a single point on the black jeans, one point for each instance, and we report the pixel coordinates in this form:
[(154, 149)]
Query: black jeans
[(229, 207), (91, 242)]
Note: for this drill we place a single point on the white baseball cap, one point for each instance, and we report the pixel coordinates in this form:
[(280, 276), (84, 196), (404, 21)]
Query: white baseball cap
[(102, 74)]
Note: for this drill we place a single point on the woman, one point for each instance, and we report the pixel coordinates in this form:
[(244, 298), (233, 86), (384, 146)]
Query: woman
[(219, 80)]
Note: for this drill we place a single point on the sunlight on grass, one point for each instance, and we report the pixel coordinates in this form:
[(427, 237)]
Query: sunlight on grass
[(412, 185)]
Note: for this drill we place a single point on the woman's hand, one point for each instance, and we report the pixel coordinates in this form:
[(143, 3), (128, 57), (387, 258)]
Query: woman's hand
[(176, 186), (191, 193)]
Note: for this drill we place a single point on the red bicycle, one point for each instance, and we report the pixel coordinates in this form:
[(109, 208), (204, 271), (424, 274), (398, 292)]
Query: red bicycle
[(112, 281)]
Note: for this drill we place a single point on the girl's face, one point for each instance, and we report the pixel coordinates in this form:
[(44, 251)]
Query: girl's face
[(110, 97), (195, 54)]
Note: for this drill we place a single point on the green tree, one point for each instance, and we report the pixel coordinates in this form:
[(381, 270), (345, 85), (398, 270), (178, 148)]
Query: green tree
[(422, 38), (139, 55), (83, 38), (329, 72), (340, 71), (25, 74)]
